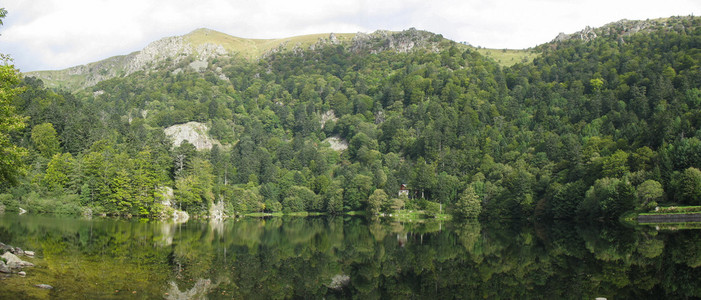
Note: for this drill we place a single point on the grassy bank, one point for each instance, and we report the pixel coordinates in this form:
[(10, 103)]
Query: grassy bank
[(674, 210), (418, 215)]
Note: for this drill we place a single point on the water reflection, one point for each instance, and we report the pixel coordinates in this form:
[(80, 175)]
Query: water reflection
[(350, 257)]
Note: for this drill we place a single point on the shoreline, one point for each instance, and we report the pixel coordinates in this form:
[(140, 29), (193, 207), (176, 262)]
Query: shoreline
[(669, 218)]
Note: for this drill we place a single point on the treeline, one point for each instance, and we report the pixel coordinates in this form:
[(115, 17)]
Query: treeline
[(588, 129)]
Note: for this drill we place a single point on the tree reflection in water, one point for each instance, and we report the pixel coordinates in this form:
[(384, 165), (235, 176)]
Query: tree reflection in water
[(351, 257)]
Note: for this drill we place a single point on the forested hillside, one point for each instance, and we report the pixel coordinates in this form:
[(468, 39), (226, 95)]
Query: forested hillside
[(596, 125)]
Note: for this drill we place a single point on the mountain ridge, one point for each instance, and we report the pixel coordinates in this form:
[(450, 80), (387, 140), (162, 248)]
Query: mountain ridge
[(204, 43)]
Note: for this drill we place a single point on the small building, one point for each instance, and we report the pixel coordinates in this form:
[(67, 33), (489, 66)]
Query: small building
[(403, 190)]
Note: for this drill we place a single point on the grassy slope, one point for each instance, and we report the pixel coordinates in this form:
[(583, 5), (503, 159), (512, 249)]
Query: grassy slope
[(508, 57), (255, 48)]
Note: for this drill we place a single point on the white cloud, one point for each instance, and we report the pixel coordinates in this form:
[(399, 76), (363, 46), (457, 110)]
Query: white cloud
[(52, 34)]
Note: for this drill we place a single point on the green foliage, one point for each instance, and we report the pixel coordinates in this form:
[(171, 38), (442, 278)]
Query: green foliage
[(468, 206), (649, 193), (56, 177), (615, 165), (62, 205), (688, 185), (376, 201), (11, 155), (432, 209), (45, 140), (566, 199), (607, 198), (357, 192), (334, 203), (246, 200), (393, 205), (529, 139)]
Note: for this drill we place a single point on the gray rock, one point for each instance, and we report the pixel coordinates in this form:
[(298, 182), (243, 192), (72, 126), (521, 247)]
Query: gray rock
[(14, 262), (194, 132), (22, 273), (44, 286), (29, 253), (4, 268), (339, 281)]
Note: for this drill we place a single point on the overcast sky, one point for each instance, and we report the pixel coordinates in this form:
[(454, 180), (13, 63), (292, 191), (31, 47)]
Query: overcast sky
[(56, 34)]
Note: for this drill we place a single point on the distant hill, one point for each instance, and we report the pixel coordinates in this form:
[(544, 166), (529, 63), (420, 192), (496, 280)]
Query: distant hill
[(206, 43)]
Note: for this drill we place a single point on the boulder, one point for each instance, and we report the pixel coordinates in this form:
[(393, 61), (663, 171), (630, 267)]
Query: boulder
[(14, 262), (4, 268)]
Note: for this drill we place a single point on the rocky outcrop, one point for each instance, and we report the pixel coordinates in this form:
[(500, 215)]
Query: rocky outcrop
[(623, 28), (329, 115), (337, 143), (193, 132), (403, 41), (174, 48), (339, 281)]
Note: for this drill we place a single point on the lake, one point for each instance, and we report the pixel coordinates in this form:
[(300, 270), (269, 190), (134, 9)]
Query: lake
[(349, 257)]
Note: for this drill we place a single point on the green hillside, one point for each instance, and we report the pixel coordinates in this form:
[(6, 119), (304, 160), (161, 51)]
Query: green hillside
[(589, 128)]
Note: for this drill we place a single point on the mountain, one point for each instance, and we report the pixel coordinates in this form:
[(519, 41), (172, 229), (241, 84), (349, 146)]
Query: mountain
[(204, 44), (589, 126)]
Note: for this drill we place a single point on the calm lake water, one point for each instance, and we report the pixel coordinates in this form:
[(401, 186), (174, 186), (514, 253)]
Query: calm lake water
[(330, 258)]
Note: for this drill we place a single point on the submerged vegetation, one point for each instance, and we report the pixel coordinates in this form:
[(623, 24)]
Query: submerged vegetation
[(582, 128)]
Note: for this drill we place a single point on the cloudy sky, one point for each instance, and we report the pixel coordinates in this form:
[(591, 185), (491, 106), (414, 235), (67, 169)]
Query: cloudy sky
[(56, 34)]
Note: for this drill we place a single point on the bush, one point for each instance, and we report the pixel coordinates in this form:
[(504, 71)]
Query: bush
[(61, 205), (432, 209), (10, 202)]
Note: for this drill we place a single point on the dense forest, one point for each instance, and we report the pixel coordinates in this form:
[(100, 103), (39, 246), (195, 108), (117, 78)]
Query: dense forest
[(591, 128)]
